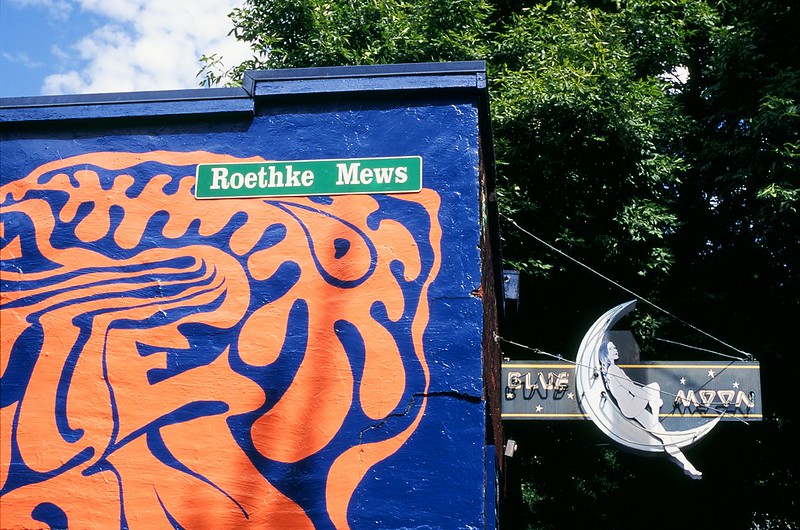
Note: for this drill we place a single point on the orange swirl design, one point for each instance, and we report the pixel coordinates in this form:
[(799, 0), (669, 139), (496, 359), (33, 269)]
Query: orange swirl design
[(167, 362)]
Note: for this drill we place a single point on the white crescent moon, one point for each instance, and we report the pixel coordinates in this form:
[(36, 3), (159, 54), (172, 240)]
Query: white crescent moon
[(594, 400)]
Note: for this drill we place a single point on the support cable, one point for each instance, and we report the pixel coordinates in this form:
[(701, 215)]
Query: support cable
[(747, 356)]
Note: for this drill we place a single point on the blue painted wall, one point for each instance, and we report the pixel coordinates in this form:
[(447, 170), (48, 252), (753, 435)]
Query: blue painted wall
[(425, 462)]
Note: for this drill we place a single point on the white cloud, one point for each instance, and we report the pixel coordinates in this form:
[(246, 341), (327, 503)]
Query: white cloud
[(70, 82), (57, 9), (20, 58), (117, 9), (147, 45)]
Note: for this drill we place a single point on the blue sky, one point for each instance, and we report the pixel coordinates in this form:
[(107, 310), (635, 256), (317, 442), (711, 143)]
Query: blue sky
[(85, 46)]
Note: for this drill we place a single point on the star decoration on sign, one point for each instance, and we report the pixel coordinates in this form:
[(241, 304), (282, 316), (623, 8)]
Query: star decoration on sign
[(570, 396), (711, 374), (736, 384), (539, 408), (683, 380)]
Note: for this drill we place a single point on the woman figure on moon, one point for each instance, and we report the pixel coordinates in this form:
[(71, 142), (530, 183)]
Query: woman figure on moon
[(641, 403)]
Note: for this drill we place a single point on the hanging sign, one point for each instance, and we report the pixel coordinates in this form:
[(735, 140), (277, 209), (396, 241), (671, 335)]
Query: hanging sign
[(656, 407), (309, 177), (691, 391)]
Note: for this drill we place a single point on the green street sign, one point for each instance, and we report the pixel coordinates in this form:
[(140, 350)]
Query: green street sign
[(309, 177)]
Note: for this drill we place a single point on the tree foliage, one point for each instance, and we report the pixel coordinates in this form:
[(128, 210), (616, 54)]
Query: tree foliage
[(303, 33), (587, 146), (657, 141)]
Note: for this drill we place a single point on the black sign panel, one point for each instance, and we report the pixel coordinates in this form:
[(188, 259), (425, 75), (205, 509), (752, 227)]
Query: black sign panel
[(691, 392)]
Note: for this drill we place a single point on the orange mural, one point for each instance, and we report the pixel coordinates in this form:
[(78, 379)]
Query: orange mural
[(174, 363)]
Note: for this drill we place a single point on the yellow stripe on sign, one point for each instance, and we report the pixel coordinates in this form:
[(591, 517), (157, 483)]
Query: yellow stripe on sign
[(514, 366), (692, 366), (540, 415)]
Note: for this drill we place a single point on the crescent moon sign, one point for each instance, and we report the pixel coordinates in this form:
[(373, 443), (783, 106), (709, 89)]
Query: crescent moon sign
[(594, 398)]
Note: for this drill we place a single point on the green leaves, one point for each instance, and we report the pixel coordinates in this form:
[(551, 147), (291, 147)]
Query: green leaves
[(586, 143), (783, 199), (292, 33)]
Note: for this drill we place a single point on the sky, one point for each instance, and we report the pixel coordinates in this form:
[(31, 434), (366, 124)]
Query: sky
[(53, 47)]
